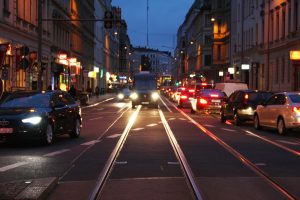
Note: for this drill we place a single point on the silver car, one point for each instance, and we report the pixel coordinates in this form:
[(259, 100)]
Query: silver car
[(280, 111)]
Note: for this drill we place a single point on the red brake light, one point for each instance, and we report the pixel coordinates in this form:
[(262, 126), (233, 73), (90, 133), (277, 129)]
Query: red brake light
[(203, 83), (183, 97), (191, 90), (214, 95), (202, 101), (296, 109)]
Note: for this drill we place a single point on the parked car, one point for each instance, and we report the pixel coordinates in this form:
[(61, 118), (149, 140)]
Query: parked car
[(39, 115), (229, 88), (281, 111), (241, 105), (207, 100)]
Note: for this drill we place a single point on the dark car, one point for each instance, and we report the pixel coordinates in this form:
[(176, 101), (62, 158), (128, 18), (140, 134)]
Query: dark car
[(207, 100), (144, 90), (242, 104), (39, 115)]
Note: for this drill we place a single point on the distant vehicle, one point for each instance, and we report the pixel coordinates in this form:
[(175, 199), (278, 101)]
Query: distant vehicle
[(207, 100), (39, 116), (242, 104), (124, 94), (144, 90), (229, 88), (177, 93), (184, 99), (281, 111)]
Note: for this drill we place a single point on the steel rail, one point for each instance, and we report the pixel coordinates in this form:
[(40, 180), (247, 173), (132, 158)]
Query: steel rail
[(242, 158), (181, 158), (103, 176)]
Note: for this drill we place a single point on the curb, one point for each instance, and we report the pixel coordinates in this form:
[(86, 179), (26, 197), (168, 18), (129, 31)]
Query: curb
[(35, 189)]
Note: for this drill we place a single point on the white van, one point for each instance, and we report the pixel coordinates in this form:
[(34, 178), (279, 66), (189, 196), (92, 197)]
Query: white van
[(229, 88)]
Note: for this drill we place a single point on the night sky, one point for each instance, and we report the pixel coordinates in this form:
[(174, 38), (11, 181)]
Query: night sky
[(165, 17)]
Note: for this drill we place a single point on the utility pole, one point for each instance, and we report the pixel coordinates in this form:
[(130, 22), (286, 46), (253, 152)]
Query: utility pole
[(147, 23), (40, 37)]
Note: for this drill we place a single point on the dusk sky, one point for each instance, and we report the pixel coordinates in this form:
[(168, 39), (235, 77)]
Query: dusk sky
[(165, 17)]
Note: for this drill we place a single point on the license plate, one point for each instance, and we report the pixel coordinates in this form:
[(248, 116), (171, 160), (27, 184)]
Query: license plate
[(215, 101), (145, 102), (6, 130)]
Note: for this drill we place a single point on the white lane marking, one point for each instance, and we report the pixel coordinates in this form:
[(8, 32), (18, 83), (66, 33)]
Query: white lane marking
[(96, 104), (230, 130), (56, 153), (165, 105), (182, 119), (121, 162), (288, 142), (150, 125), (160, 122), (114, 136), (100, 109), (260, 164), (8, 167), (137, 129), (122, 109), (95, 118), (208, 125), (171, 119), (297, 153), (90, 143), (173, 163)]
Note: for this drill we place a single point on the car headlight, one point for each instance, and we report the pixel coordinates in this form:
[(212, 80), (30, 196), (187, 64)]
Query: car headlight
[(134, 96), (120, 96), (155, 96), (32, 120)]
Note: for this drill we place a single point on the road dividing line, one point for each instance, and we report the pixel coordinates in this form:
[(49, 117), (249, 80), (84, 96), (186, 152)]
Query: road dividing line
[(55, 153), (96, 118), (96, 104), (170, 119), (151, 125), (288, 142), (297, 153), (230, 130), (114, 136), (260, 164), (137, 129), (90, 142), (113, 156), (271, 181), (165, 104), (181, 158), (121, 162), (210, 126), (8, 167), (173, 163)]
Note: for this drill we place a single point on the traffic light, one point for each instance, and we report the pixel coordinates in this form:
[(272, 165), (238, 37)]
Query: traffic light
[(117, 17), (108, 19)]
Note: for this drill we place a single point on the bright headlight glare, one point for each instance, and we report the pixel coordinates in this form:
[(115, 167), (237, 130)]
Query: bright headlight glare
[(134, 96), (155, 96), (121, 96), (32, 120)]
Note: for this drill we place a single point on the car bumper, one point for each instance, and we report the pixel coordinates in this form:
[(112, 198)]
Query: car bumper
[(27, 133)]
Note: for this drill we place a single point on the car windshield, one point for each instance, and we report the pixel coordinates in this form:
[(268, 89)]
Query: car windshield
[(26, 100), (295, 98), (145, 83)]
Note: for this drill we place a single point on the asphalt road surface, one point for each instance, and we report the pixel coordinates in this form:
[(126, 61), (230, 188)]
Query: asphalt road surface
[(164, 153)]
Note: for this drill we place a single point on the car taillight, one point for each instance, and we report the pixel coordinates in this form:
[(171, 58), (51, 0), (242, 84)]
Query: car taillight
[(296, 109), (214, 95), (191, 91), (202, 101), (183, 97)]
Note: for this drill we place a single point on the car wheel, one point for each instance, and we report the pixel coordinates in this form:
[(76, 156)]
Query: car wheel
[(76, 129), (256, 123), (236, 119), (223, 118), (281, 129), (47, 138)]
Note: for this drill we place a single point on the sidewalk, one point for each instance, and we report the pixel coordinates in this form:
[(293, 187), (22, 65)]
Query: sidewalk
[(36, 189)]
